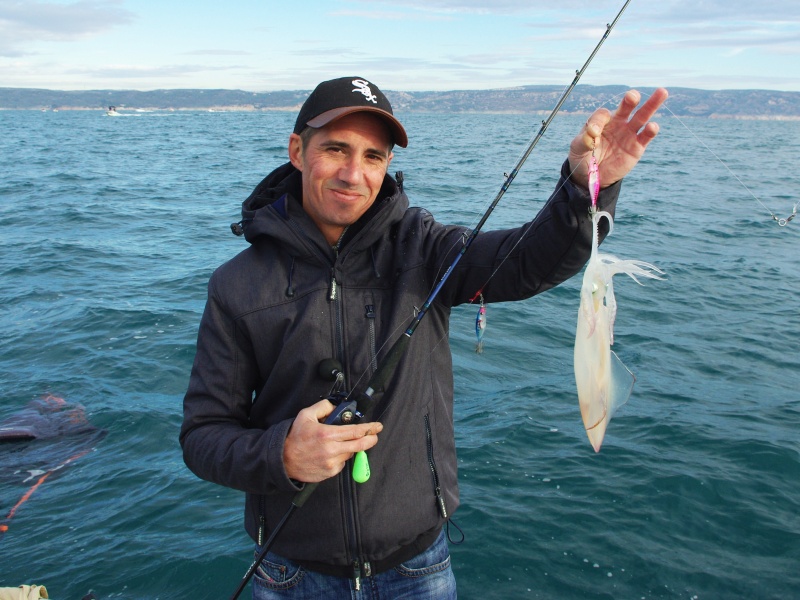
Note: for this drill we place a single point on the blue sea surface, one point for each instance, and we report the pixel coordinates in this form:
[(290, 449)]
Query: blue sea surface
[(110, 228)]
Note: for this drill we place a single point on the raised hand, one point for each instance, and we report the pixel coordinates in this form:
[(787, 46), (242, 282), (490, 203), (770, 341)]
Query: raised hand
[(618, 140)]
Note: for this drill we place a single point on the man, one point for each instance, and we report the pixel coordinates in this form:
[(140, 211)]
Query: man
[(336, 268)]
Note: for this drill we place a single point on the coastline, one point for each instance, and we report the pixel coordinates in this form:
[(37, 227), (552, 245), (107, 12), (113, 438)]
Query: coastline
[(142, 110), (529, 100)]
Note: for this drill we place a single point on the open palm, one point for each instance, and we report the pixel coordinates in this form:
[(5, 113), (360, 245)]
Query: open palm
[(618, 140)]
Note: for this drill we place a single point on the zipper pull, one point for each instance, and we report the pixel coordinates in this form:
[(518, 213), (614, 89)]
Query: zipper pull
[(332, 295), (440, 501), (357, 576)]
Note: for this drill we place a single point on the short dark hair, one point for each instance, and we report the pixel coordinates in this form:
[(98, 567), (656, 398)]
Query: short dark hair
[(308, 133)]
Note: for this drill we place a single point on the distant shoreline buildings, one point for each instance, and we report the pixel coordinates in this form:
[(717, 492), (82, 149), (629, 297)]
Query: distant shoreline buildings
[(724, 104)]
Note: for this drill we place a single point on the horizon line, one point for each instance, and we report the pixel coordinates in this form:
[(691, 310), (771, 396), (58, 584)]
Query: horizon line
[(490, 89)]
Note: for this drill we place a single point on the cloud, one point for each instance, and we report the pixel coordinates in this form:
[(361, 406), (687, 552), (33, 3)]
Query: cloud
[(475, 6), (115, 72), (726, 37), (377, 15), (684, 11), (211, 52), (24, 22), (320, 51), (727, 11)]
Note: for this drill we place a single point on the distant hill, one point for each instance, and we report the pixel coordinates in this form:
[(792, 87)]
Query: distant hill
[(754, 104)]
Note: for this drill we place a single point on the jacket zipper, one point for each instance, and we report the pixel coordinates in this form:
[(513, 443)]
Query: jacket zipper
[(334, 298), (373, 354), (359, 566), (261, 520), (437, 490)]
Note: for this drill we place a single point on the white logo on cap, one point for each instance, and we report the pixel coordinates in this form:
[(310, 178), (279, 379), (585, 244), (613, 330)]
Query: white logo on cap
[(363, 87)]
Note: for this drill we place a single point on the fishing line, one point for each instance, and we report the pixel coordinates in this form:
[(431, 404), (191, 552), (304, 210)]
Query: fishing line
[(385, 370), (525, 232), (462, 240), (782, 222), (513, 174)]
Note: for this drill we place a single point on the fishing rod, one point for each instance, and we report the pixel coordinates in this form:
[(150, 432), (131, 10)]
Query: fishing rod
[(349, 410), (381, 376)]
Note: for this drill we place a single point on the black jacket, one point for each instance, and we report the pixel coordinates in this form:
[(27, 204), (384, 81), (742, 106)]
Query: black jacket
[(290, 301)]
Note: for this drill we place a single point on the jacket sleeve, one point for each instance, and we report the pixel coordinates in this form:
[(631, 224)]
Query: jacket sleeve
[(519, 263), (218, 443)]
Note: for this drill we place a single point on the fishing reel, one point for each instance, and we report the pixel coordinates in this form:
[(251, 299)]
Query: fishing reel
[(345, 413)]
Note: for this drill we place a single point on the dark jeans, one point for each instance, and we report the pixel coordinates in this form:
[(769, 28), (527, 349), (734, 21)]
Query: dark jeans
[(427, 576)]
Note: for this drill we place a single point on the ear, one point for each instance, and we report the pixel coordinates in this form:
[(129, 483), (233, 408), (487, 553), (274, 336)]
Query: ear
[(296, 151)]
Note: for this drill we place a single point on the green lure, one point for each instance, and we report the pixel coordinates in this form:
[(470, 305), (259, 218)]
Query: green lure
[(361, 467)]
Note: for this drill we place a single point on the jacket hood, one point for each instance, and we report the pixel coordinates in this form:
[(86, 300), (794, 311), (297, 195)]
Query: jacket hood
[(284, 180), (277, 200)]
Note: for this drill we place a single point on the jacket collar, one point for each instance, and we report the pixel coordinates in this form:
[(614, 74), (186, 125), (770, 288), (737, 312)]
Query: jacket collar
[(274, 209)]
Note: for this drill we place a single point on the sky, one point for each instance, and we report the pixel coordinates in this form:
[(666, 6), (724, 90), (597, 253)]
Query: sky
[(407, 45)]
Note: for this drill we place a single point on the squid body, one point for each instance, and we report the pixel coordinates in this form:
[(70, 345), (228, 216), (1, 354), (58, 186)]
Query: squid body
[(604, 383)]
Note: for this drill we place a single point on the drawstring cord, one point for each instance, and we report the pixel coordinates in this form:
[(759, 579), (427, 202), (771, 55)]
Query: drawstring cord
[(289, 288)]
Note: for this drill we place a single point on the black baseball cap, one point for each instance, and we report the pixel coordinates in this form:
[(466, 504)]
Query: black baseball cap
[(336, 98)]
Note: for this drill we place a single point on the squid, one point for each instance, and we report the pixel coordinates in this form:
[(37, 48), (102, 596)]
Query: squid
[(604, 382)]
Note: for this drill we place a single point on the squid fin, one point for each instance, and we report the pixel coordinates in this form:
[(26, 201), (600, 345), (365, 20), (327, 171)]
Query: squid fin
[(620, 389), (622, 380)]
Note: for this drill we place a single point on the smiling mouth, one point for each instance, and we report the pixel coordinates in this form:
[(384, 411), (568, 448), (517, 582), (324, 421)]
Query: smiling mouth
[(347, 195)]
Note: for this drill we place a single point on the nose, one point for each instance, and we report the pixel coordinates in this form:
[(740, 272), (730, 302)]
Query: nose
[(352, 172)]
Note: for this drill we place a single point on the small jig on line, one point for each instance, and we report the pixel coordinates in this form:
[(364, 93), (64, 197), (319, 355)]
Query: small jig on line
[(480, 326), (594, 180)]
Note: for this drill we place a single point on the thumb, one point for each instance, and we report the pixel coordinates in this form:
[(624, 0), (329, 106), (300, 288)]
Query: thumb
[(319, 411), (593, 129)]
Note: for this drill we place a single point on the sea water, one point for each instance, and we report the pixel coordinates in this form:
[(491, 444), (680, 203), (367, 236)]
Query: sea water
[(110, 228)]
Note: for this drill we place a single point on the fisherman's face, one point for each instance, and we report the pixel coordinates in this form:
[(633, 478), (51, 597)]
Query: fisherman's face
[(343, 166)]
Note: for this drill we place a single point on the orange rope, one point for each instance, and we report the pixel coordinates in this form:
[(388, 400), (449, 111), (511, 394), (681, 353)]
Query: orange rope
[(4, 528), (34, 487)]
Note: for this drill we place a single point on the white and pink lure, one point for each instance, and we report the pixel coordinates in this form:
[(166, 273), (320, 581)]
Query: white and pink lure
[(604, 383)]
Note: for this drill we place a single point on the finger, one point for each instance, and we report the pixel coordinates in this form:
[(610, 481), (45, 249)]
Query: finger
[(345, 433), (361, 444), (597, 122), (594, 127), (648, 134), (320, 410), (629, 102), (655, 101), (344, 450), (649, 108)]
